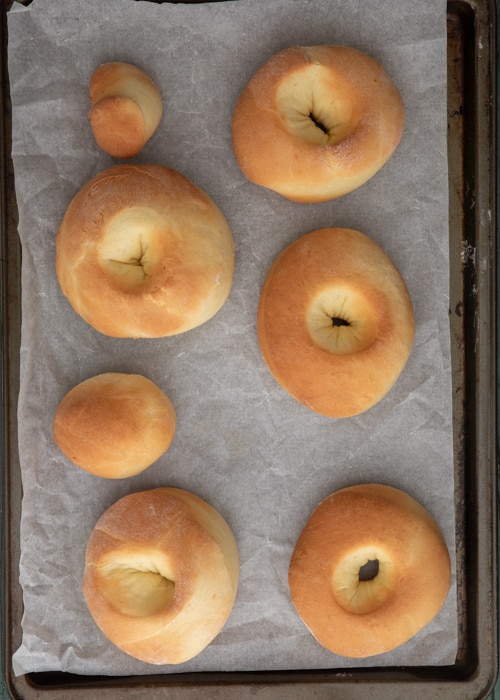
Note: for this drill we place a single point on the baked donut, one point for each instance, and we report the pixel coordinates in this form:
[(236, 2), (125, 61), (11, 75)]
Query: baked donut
[(161, 574), (114, 425), (335, 322), (126, 108), (316, 122), (369, 570), (142, 252)]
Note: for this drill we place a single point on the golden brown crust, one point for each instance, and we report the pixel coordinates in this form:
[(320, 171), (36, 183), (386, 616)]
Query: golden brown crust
[(335, 276), (314, 123), (378, 523), (126, 108), (114, 425), (143, 252), (161, 575)]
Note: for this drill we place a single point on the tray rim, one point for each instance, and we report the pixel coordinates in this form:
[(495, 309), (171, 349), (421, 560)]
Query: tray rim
[(476, 675)]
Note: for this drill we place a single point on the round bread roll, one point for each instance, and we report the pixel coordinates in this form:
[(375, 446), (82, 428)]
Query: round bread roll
[(142, 252), (315, 123), (126, 108), (114, 425), (369, 570), (335, 322), (161, 574)]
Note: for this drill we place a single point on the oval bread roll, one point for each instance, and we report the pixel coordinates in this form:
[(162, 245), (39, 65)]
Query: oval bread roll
[(114, 425)]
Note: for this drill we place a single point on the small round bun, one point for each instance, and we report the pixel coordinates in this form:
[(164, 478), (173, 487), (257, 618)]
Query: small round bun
[(126, 108), (142, 252), (315, 123), (335, 322), (369, 570), (161, 575), (114, 425)]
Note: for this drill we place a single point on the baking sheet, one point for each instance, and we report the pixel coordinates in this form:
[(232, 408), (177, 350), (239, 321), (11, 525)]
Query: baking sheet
[(261, 459)]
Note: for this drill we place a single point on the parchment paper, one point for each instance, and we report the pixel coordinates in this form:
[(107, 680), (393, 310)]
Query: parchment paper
[(259, 457)]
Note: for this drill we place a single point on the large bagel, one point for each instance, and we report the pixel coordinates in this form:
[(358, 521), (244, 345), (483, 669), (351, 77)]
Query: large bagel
[(161, 574), (114, 425), (369, 570), (314, 123), (335, 322), (126, 108), (142, 252)]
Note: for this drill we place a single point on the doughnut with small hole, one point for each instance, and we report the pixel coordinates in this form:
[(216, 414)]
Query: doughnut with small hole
[(369, 570), (335, 322), (317, 122), (161, 574), (142, 252)]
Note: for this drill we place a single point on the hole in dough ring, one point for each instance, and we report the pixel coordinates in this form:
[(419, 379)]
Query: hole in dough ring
[(143, 252), (335, 322), (315, 123), (161, 575), (369, 522)]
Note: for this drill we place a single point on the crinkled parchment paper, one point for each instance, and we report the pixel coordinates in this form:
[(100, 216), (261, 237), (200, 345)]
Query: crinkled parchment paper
[(262, 459)]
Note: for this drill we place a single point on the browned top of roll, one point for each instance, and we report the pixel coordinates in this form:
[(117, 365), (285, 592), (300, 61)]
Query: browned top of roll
[(114, 425), (126, 108)]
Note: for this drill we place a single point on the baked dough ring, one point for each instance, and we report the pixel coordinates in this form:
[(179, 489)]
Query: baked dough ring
[(161, 574), (335, 322), (114, 425), (126, 108), (142, 252), (352, 610), (315, 123)]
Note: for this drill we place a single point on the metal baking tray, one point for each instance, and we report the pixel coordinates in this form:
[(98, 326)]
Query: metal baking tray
[(473, 212)]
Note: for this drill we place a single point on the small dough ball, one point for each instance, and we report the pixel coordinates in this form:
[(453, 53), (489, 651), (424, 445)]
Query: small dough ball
[(315, 123), (369, 570), (335, 322), (143, 253), (114, 425), (126, 108), (161, 575)]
